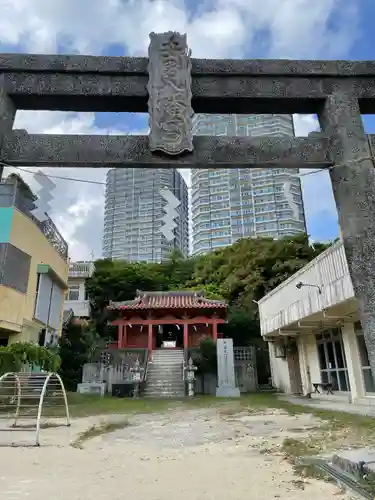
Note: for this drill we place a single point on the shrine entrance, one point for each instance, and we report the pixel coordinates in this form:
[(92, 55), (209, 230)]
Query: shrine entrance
[(167, 320), (169, 337)]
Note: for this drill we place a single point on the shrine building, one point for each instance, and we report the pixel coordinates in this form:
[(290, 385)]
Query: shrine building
[(176, 320)]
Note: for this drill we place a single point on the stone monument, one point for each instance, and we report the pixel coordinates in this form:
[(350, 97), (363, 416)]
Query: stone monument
[(226, 382)]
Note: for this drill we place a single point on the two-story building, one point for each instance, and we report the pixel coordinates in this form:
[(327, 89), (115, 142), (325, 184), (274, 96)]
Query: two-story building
[(33, 269), (314, 333), (77, 300)]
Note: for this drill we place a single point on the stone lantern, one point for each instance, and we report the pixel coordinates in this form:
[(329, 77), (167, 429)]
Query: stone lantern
[(137, 371), (190, 370)]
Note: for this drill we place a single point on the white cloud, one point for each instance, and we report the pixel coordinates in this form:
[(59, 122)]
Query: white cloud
[(74, 203), (215, 28)]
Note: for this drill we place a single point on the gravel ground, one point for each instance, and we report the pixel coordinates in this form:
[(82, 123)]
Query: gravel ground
[(193, 454)]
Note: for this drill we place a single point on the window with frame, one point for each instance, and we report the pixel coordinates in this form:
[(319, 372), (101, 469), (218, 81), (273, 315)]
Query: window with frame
[(73, 293)]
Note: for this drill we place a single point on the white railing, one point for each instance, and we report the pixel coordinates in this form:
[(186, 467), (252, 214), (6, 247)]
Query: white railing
[(81, 269), (79, 307)]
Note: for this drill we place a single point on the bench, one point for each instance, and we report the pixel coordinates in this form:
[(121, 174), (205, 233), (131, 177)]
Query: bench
[(327, 388)]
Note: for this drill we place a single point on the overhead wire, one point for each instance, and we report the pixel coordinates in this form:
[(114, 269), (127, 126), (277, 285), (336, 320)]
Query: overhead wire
[(100, 183)]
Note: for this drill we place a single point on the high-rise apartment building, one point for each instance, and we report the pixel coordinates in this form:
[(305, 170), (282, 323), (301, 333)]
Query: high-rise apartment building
[(134, 211), (229, 204)]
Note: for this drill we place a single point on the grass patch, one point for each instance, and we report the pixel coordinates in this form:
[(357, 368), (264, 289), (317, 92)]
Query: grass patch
[(294, 448), (83, 405), (98, 430)]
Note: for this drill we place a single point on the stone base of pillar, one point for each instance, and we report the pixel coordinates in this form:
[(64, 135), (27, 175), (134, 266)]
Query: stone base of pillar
[(227, 392)]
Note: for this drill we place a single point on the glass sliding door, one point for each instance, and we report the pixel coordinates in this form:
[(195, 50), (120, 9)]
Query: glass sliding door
[(368, 381), (332, 361)]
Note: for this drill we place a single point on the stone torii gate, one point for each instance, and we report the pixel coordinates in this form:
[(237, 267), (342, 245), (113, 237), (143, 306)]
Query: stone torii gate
[(169, 85)]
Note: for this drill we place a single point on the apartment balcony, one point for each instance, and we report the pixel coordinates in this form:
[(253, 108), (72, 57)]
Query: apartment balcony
[(80, 308), (325, 297), (81, 269), (12, 196)]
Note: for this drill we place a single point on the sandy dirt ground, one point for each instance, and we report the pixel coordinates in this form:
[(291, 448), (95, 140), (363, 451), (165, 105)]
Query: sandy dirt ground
[(194, 454)]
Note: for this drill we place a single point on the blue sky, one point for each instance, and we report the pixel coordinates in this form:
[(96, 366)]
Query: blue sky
[(295, 29)]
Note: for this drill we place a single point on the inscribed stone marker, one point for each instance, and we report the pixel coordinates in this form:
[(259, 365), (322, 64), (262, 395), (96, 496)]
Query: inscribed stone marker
[(169, 88), (225, 369)]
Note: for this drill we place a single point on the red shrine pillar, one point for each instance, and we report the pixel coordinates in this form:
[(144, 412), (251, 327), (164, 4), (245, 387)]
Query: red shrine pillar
[(124, 336), (119, 335), (186, 335), (214, 331), (150, 342)]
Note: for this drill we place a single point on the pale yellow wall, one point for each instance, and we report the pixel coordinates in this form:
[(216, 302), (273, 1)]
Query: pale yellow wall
[(26, 236), (12, 308)]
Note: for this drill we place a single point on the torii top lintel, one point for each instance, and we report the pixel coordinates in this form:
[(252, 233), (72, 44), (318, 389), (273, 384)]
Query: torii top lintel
[(171, 84), (101, 83)]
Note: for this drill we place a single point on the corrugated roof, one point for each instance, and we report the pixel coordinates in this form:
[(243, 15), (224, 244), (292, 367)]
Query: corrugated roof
[(168, 300)]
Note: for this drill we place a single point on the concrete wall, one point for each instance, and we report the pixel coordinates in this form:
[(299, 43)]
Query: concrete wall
[(279, 371), (310, 368)]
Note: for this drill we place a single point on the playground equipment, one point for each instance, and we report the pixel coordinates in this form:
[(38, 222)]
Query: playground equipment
[(26, 397)]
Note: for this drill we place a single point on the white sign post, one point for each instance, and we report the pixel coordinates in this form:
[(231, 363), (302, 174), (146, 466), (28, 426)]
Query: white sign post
[(225, 370)]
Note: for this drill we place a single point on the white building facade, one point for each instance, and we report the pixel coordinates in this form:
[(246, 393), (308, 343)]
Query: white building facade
[(229, 204), (77, 299), (315, 337)]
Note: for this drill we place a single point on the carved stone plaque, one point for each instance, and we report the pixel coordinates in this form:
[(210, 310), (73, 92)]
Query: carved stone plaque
[(169, 88)]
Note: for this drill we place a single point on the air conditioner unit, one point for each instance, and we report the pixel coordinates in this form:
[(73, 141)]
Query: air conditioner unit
[(279, 349)]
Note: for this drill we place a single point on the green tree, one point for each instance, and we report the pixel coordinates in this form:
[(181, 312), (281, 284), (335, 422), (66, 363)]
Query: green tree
[(77, 346), (177, 270), (205, 359), (241, 274), (244, 272), (242, 326)]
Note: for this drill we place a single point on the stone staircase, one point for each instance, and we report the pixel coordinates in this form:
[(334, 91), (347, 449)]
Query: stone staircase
[(165, 374)]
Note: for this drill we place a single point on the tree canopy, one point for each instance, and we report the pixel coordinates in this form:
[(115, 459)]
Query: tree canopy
[(241, 274)]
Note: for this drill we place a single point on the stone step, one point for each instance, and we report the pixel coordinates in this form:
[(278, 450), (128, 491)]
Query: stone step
[(163, 352), (164, 396), (166, 360), (161, 387), (165, 391), (165, 375), (166, 363), (159, 379), (167, 380), (165, 369), (168, 355)]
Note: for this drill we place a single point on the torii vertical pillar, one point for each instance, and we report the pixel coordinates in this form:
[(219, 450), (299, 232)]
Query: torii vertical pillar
[(353, 183), (7, 115)]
